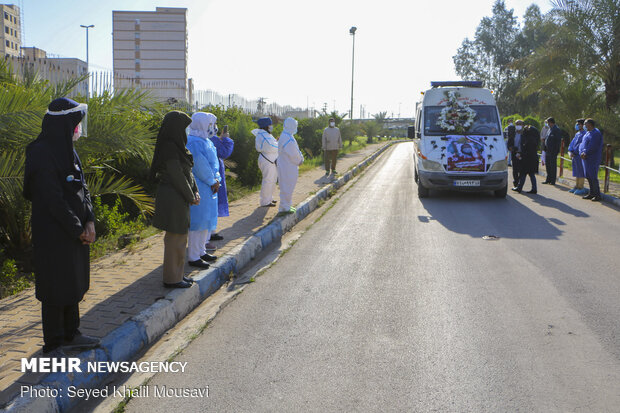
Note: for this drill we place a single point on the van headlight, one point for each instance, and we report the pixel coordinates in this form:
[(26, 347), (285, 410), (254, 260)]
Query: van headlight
[(432, 165), (499, 166)]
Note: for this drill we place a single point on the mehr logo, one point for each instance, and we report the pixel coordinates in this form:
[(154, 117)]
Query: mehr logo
[(51, 365)]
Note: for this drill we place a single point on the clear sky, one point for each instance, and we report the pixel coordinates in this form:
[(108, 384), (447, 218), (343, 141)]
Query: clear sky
[(289, 51)]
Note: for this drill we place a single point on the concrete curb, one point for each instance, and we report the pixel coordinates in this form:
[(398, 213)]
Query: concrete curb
[(123, 343), (609, 199)]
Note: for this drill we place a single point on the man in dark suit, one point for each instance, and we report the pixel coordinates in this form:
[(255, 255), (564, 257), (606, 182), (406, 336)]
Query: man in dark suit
[(514, 144), (552, 149)]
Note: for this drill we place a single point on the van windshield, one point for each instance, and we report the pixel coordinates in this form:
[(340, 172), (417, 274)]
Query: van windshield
[(485, 123)]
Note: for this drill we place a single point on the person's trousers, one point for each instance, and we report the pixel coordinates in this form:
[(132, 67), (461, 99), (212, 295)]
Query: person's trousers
[(331, 157), (270, 177), (595, 189), (516, 169), (174, 257), (196, 244), (551, 163), (60, 323), (579, 182), (522, 178)]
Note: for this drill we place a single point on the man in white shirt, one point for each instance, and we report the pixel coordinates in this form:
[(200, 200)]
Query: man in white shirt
[(332, 142)]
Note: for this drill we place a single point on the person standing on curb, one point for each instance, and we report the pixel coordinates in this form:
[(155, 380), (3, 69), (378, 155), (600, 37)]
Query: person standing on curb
[(332, 143), (514, 145), (528, 158), (289, 159), (206, 170), (176, 191), (590, 150), (224, 145), (552, 149), (63, 225), (267, 148), (576, 161)]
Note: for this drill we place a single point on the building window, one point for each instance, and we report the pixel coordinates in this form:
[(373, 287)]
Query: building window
[(6, 15), (137, 47), (6, 29), (8, 44), (137, 35)]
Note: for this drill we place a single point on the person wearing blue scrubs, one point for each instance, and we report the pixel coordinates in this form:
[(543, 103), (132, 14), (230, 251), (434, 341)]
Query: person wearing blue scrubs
[(590, 150), (206, 170), (577, 165)]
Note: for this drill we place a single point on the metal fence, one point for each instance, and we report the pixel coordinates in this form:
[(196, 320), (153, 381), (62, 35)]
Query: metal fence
[(58, 70), (607, 166)]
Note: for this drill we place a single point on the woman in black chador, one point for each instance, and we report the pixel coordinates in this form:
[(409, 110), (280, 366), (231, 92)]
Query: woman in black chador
[(63, 224)]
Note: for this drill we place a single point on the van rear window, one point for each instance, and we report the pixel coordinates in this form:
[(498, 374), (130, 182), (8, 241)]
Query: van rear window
[(485, 123)]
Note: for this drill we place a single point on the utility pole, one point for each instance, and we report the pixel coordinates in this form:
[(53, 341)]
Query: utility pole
[(87, 61), (352, 31)]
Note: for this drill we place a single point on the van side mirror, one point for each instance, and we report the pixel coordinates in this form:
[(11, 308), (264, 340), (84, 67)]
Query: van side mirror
[(410, 132), (418, 135)]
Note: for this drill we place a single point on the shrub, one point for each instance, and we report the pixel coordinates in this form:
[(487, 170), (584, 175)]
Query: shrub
[(10, 280)]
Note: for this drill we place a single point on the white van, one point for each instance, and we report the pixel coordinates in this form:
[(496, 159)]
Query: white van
[(459, 144)]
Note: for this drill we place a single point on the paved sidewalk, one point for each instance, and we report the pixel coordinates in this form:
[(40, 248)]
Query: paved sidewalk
[(127, 282)]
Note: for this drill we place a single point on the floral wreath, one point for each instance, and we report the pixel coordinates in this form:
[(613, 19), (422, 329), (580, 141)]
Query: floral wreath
[(456, 116)]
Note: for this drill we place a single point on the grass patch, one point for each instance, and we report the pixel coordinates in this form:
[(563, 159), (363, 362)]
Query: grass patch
[(117, 241)]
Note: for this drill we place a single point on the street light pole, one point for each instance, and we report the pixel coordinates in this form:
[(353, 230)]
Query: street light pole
[(352, 31), (87, 62)]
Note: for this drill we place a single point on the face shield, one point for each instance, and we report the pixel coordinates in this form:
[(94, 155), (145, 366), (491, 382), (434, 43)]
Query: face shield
[(82, 107)]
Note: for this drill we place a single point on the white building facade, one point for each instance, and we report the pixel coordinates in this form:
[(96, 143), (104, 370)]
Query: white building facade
[(10, 31), (150, 52)]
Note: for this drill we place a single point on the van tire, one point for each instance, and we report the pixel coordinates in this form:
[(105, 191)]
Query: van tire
[(423, 192), (501, 193)]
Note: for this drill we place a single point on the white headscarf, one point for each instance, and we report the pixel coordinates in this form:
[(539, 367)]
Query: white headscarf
[(203, 125)]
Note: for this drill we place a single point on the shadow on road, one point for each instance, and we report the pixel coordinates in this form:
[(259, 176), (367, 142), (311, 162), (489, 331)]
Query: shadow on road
[(478, 215)]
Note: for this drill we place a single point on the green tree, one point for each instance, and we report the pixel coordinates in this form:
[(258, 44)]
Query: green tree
[(595, 27)]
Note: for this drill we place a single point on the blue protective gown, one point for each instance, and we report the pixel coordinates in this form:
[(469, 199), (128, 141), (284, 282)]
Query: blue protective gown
[(573, 148), (592, 146), (224, 150), (206, 171)]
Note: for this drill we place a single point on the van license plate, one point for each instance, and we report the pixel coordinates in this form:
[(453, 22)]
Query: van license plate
[(466, 183)]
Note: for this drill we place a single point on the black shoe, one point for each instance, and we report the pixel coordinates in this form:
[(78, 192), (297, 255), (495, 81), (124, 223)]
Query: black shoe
[(80, 342), (545, 182), (188, 280), (180, 284), (216, 237), (54, 352), (200, 263), (516, 189), (533, 191), (596, 198), (589, 196), (208, 257)]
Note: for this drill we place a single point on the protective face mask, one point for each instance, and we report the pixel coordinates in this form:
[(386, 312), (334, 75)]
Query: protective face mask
[(77, 132), (546, 124), (270, 128), (518, 127), (576, 126), (332, 124)]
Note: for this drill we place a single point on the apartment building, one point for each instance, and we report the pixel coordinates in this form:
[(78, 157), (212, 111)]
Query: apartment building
[(10, 30), (150, 51)]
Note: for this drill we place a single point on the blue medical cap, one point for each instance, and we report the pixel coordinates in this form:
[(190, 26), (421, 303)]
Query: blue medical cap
[(264, 122)]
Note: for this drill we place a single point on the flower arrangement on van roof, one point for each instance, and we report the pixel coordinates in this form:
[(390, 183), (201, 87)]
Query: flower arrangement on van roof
[(456, 116)]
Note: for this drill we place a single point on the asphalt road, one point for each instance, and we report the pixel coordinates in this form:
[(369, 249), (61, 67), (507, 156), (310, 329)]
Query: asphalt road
[(392, 303)]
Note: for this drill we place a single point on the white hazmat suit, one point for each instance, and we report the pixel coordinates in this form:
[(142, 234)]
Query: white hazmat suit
[(267, 147), (289, 159)]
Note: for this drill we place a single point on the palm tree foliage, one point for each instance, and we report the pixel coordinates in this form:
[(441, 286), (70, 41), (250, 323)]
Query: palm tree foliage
[(121, 126)]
